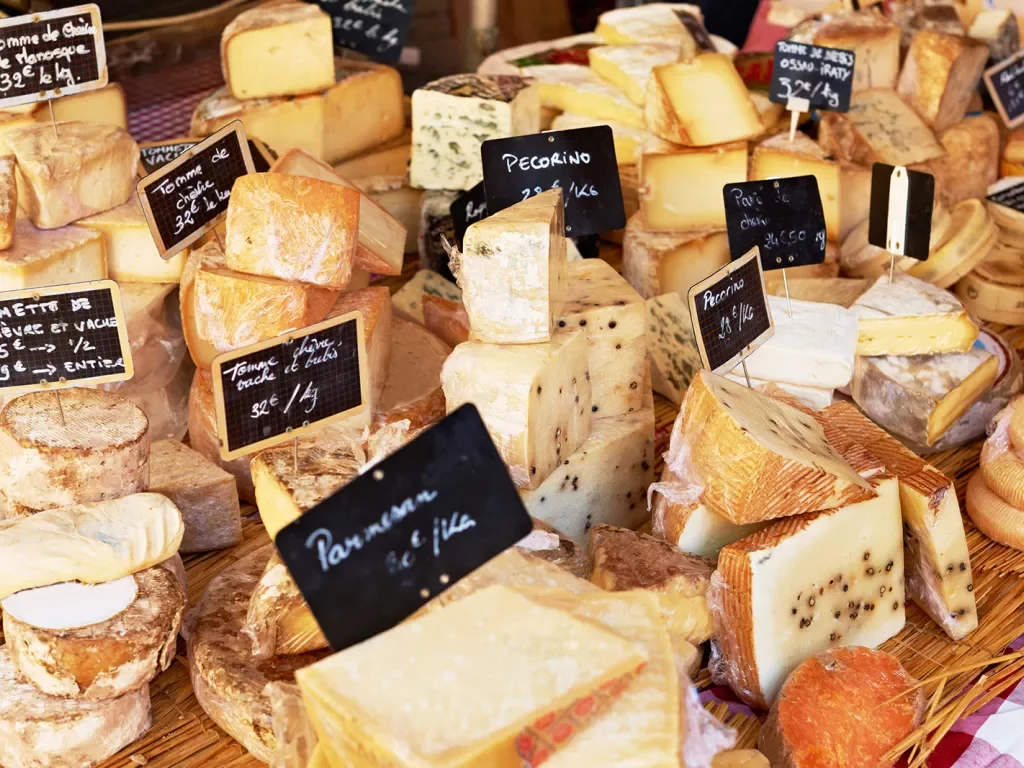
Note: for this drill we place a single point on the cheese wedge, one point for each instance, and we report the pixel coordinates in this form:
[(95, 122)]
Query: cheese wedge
[(8, 200), (658, 22), (132, 256), (671, 346), (657, 263), (41, 257), (375, 305), (388, 159), (279, 620), (629, 66), (873, 39), (393, 195), (940, 75), (577, 89), (626, 138), (971, 162), (412, 389)]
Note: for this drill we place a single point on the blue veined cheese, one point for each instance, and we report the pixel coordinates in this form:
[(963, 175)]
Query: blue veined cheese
[(671, 346), (577, 89), (453, 116), (408, 302)]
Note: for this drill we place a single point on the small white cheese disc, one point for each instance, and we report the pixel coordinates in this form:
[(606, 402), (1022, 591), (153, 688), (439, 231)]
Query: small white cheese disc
[(71, 605)]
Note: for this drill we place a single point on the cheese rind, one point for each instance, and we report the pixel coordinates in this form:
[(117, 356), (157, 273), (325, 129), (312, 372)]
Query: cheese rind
[(629, 66), (972, 237), (657, 263), (446, 319), (41, 257), (997, 519), (577, 89), (279, 620), (940, 75), (971, 162), (412, 389), (374, 303), (8, 200), (203, 438), (132, 255)]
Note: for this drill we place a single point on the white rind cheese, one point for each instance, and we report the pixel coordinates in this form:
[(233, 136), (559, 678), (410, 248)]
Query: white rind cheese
[(41, 257), (577, 89), (629, 66), (71, 604)]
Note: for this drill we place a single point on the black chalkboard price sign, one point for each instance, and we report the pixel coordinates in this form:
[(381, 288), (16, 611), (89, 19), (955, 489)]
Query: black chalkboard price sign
[(156, 154), (1005, 83), (1008, 192), (375, 28), (730, 313), (468, 208), (189, 196), (282, 388), (47, 55), (900, 218), (395, 537), (62, 336), (823, 76), (581, 161), (782, 217)]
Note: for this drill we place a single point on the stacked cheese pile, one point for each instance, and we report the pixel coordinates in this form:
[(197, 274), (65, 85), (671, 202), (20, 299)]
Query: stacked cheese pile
[(995, 494)]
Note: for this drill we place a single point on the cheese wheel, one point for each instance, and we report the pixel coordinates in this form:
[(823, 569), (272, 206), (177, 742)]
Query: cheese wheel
[(1004, 475), (992, 301), (99, 452), (40, 731), (108, 659), (203, 438), (1004, 265), (1015, 426), (413, 387), (995, 518), (973, 238)]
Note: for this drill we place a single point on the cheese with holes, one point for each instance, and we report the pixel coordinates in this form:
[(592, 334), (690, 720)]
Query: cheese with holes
[(412, 389), (132, 256), (879, 128), (971, 162), (940, 75), (375, 305), (629, 66), (38, 730), (656, 263), (874, 40), (755, 458), (806, 584), (513, 271), (282, 50), (279, 620), (99, 450), (453, 116), (604, 480), (205, 494), (203, 437), (671, 345), (534, 398), (577, 89), (667, 205), (778, 157), (107, 659), (700, 102), (40, 257), (464, 709), (938, 566), (8, 200), (626, 138), (84, 169), (911, 317)]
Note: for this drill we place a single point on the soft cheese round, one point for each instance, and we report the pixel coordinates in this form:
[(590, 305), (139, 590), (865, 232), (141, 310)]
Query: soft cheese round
[(100, 451)]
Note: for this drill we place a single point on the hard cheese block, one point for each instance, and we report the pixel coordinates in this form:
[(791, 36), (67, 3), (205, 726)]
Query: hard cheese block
[(629, 66), (81, 169), (387, 159), (805, 584), (41, 257), (203, 438), (658, 22), (412, 389), (453, 116), (464, 709), (671, 346), (657, 263), (513, 271), (374, 304), (780, 157), (104, 105), (132, 256), (874, 40), (8, 200), (941, 75), (534, 398), (972, 236), (279, 51), (401, 202), (205, 494), (578, 89), (279, 621), (971, 162)]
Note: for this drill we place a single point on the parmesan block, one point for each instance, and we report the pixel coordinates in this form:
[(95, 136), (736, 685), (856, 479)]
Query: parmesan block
[(535, 399), (804, 584), (282, 50), (940, 75), (374, 304), (40, 257), (577, 89), (700, 102), (98, 449), (446, 319), (279, 621), (778, 157), (601, 303), (628, 67), (671, 346), (513, 271), (228, 680), (292, 228), (90, 543), (604, 480), (132, 256), (879, 128), (412, 389), (40, 731), (203, 438), (8, 200), (667, 205), (82, 169), (205, 494), (625, 560), (108, 659), (756, 458), (874, 40), (453, 116), (971, 162), (466, 709), (911, 317), (657, 263)]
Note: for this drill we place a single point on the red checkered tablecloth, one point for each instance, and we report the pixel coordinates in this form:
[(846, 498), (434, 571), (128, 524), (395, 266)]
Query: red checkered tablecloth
[(160, 105)]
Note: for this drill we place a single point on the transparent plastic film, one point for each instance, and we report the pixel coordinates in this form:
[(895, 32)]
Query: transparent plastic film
[(279, 622), (203, 438), (296, 737), (548, 544)]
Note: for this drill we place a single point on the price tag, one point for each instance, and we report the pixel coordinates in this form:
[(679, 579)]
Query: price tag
[(580, 161), (730, 313), (375, 28), (154, 155), (397, 536), (63, 335), (282, 388), (468, 208), (782, 217), (900, 219), (1005, 83), (822, 76), (47, 55), (187, 197), (1008, 192)]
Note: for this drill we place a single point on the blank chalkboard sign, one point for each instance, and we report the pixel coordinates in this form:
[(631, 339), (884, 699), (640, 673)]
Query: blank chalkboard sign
[(397, 536), (1005, 83), (730, 313), (284, 387), (782, 217), (47, 55), (62, 336), (189, 196), (374, 28), (469, 207), (580, 161), (821, 75)]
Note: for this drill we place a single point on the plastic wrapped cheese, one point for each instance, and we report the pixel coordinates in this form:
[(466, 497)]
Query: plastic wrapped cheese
[(550, 545), (203, 438), (296, 738), (279, 621)]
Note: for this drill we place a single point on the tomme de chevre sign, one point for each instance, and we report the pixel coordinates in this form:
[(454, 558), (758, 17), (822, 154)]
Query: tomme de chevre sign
[(1005, 83), (398, 535), (375, 28), (468, 208), (580, 161), (188, 196), (156, 154), (730, 313), (47, 55), (823, 76), (900, 218), (782, 217), (284, 387), (63, 335)]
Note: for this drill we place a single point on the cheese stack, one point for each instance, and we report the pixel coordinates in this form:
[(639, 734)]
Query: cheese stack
[(995, 493)]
